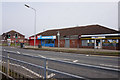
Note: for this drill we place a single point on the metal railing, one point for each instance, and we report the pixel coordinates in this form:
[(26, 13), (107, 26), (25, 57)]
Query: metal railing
[(45, 69), (66, 62)]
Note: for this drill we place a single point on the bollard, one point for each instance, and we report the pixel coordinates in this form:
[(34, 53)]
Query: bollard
[(45, 69)]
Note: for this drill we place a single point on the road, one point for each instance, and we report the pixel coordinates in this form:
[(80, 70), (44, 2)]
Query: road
[(94, 60)]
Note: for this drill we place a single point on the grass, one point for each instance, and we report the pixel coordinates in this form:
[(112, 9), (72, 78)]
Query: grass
[(3, 45), (79, 51), (13, 44)]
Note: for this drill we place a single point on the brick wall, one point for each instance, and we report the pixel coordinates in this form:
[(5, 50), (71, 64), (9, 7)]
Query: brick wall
[(62, 43), (74, 43), (80, 43)]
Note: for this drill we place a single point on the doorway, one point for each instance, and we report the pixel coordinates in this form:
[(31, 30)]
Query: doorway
[(98, 43), (67, 43)]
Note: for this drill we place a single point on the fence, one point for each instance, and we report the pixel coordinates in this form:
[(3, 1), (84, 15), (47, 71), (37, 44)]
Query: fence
[(43, 70), (39, 71)]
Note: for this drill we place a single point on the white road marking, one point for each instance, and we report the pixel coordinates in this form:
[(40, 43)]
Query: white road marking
[(18, 52), (31, 71), (42, 56), (75, 61), (66, 59), (51, 75), (25, 69), (110, 65), (87, 55), (62, 59), (59, 58), (10, 51), (4, 50)]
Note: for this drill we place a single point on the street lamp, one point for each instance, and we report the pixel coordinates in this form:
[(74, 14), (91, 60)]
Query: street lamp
[(34, 23), (58, 34)]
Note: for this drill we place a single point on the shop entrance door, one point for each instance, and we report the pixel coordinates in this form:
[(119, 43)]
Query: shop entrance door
[(98, 43), (67, 43)]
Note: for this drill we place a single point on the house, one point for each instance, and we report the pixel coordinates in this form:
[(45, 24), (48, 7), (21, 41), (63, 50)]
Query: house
[(12, 37)]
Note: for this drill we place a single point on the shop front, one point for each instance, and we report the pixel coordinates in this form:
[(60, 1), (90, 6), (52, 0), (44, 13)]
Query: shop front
[(104, 41), (47, 41)]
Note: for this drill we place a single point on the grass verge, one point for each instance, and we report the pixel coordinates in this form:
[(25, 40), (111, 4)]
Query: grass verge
[(79, 51)]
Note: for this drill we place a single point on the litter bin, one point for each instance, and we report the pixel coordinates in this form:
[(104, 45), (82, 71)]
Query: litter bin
[(21, 45), (39, 46)]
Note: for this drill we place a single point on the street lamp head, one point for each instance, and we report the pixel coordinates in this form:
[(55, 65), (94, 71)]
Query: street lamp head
[(27, 6), (58, 34)]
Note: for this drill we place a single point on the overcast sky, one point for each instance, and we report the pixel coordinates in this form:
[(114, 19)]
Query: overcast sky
[(53, 15)]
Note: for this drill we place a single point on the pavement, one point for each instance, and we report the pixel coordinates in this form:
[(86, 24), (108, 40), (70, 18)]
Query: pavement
[(103, 61), (85, 49), (80, 49), (98, 52)]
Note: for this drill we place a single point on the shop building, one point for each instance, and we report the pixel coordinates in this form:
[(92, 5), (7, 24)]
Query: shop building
[(91, 36)]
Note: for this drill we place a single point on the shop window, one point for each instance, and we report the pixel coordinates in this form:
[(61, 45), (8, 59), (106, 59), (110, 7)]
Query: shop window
[(110, 42), (90, 42), (52, 41), (84, 42), (49, 41)]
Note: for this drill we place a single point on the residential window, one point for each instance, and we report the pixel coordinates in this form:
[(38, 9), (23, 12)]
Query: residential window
[(16, 35), (8, 36)]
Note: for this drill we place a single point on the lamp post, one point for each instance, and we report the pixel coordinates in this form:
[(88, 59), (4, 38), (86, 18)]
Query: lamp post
[(34, 23), (58, 34)]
